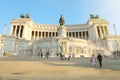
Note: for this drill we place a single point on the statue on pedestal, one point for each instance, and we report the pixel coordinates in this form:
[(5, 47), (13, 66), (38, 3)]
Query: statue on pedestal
[(61, 20), (62, 28)]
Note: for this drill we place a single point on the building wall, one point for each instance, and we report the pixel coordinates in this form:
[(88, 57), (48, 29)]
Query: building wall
[(94, 30)]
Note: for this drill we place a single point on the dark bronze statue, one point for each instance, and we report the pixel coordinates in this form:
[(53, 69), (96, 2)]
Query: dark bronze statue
[(22, 16), (94, 17), (61, 20), (91, 16), (97, 16), (27, 15)]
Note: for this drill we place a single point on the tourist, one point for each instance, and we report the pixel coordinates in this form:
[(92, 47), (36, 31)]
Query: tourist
[(93, 60), (57, 53), (47, 54), (73, 55), (61, 56), (38, 54), (69, 57), (41, 54), (4, 53), (14, 54), (99, 57)]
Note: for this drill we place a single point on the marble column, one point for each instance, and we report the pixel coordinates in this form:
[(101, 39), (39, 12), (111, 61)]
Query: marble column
[(81, 34), (47, 34), (75, 34), (78, 34), (68, 34), (12, 30), (51, 34), (41, 35), (34, 35), (96, 32), (44, 34), (85, 35), (101, 34), (107, 30), (38, 35), (19, 31), (15, 31), (23, 31), (103, 31)]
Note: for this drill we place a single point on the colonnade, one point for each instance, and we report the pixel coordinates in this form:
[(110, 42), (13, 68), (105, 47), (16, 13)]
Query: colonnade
[(102, 31), (39, 34), (17, 30), (79, 34)]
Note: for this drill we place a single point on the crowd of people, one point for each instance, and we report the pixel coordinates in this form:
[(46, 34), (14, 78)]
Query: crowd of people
[(94, 59), (116, 54)]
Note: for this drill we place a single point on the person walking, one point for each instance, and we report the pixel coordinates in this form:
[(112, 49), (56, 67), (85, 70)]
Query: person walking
[(93, 60), (99, 57), (41, 54), (47, 54), (69, 57)]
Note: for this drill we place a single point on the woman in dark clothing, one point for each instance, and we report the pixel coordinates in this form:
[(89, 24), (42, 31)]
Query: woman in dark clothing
[(99, 57)]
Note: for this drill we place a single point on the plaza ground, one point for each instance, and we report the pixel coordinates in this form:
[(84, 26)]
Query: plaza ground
[(35, 68)]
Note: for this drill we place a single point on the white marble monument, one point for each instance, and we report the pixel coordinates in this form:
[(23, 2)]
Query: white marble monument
[(27, 38)]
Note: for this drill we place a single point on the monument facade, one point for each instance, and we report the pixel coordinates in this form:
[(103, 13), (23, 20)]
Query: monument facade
[(28, 38)]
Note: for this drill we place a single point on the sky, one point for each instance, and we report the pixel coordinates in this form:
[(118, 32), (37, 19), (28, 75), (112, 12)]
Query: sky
[(49, 11)]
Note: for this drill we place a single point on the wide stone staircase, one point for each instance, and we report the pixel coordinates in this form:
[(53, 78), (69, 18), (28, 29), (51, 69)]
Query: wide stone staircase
[(101, 47)]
